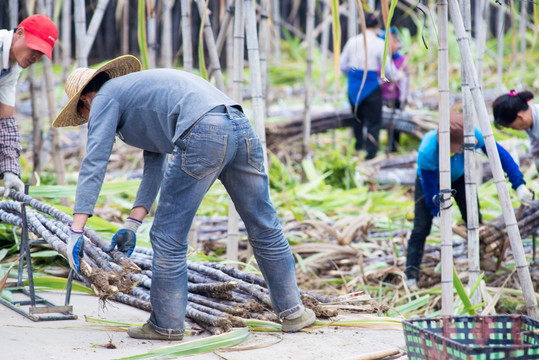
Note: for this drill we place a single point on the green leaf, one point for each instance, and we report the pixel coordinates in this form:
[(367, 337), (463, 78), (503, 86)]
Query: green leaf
[(211, 343), (457, 284)]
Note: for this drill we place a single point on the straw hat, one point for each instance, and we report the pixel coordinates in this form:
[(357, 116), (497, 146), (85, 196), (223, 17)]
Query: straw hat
[(79, 78)]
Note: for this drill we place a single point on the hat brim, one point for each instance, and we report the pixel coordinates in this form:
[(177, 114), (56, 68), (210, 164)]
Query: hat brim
[(120, 66), (36, 43)]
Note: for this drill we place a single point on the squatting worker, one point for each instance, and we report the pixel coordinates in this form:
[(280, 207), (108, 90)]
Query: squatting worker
[(427, 186), (19, 48), (205, 136)]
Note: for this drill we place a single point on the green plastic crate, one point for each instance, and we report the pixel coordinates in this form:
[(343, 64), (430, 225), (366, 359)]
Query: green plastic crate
[(472, 338)]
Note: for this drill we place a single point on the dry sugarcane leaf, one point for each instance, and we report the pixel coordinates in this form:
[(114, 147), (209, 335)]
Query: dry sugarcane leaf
[(6, 276)]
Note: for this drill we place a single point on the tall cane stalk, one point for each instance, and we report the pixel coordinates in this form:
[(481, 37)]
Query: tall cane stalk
[(444, 160), (494, 160), (472, 221)]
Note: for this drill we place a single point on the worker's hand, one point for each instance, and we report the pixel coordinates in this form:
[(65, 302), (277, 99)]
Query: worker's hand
[(75, 249), (524, 194), (12, 181), (436, 221), (126, 237)]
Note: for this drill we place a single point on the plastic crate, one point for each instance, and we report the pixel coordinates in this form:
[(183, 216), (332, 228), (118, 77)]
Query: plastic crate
[(472, 338)]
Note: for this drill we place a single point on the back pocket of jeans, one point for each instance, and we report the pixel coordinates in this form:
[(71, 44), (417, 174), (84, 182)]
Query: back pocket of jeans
[(255, 154), (204, 154)]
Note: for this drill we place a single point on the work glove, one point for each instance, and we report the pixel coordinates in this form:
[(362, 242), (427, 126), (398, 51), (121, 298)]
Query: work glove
[(75, 249), (126, 237), (524, 194), (436, 221), (12, 181)]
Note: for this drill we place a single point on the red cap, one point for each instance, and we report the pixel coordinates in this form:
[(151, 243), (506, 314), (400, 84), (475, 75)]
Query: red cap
[(40, 33)]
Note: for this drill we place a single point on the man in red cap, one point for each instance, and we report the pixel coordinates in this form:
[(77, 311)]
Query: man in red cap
[(19, 49)]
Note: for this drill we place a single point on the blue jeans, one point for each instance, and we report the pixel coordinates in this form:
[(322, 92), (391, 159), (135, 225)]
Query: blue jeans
[(224, 146)]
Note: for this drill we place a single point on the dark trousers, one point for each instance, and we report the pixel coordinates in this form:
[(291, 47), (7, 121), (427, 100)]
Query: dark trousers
[(423, 223), (368, 113), (393, 135)]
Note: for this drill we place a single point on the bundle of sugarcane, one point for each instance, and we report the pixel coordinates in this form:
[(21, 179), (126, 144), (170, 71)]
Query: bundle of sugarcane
[(493, 237), (96, 270), (219, 297)]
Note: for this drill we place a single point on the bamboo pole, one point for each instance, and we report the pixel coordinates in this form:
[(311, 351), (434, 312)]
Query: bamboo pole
[(444, 160), (264, 41), (494, 160), (66, 38), (225, 26), (308, 78), (522, 34), (253, 56), (499, 36), (186, 36), (276, 17), (37, 137), (93, 27), (210, 46), (166, 34), (122, 19), (151, 25), (481, 10), (237, 88), (352, 19), (325, 44), (230, 43), (472, 221)]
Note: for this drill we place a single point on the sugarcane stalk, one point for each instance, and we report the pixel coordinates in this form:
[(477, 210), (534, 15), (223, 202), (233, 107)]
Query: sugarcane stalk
[(235, 309), (247, 277)]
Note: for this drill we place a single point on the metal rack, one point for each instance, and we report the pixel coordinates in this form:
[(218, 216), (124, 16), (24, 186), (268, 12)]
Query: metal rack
[(39, 308)]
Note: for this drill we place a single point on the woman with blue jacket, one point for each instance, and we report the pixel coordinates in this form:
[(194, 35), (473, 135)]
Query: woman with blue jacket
[(427, 186)]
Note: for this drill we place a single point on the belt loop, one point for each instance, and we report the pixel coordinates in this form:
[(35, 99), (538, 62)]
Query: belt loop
[(228, 112)]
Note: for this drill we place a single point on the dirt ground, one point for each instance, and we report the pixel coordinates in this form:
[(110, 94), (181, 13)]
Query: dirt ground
[(24, 339)]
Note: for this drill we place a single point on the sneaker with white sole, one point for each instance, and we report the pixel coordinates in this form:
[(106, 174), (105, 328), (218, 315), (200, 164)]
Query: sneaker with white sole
[(307, 318)]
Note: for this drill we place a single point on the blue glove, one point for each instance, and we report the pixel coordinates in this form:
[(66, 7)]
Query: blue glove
[(125, 238), (75, 249)]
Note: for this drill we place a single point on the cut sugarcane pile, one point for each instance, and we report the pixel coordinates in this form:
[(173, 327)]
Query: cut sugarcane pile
[(219, 297)]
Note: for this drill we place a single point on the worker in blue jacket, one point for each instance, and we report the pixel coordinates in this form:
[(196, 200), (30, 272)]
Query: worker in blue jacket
[(427, 187)]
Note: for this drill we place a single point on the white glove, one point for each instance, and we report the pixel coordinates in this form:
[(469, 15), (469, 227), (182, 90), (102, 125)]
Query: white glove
[(436, 221), (12, 181), (525, 196), (75, 249)]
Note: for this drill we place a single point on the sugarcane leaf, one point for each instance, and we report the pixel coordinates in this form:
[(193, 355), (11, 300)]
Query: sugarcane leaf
[(44, 254), (141, 34), (3, 253), (57, 283), (457, 284), (211, 343)]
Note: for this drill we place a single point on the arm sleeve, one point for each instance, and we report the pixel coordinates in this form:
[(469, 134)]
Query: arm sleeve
[(104, 117), (429, 184), (10, 146), (154, 166), (509, 166)]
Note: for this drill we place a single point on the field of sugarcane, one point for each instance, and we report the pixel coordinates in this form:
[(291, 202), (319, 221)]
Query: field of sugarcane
[(347, 220)]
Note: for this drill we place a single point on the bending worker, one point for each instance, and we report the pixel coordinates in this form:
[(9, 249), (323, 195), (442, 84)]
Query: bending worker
[(19, 48), (205, 136), (427, 186)]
